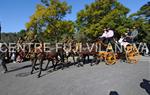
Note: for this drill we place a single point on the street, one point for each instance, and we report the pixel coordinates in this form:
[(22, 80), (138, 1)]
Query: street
[(99, 79)]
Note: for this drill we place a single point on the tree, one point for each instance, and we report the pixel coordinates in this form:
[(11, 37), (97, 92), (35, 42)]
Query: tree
[(48, 18), (8, 37), (141, 20), (100, 14), (21, 33)]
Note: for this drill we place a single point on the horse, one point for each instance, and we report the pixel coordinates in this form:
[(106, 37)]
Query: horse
[(85, 52), (56, 57), (39, 54)]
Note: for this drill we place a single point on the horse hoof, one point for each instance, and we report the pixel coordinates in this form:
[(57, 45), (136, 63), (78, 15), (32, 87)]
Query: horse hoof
[(97, 63), (38, 76), (43, 69), (31, 73), (4, 72), (36, 68), (82, 65), (106, 63), (91, 64)]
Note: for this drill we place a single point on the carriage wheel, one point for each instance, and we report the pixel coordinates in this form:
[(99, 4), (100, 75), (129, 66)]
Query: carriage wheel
[(101, 55), (132, 55), (110, 58)]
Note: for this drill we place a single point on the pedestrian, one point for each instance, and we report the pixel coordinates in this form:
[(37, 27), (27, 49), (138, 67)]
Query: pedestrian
[(4, 57)]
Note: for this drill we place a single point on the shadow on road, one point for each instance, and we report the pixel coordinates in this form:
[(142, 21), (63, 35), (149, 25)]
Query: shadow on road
[(113, 93), (145, 85), (25, 74), (20, 68)]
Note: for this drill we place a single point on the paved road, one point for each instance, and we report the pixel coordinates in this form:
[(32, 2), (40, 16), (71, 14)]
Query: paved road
[(96, 80)]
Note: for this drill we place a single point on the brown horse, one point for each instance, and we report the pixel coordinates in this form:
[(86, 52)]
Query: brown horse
[(39, 54), (87, 51), (56, 57)]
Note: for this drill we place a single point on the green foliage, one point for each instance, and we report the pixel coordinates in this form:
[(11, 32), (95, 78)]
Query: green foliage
[(101, 14), (141, 19), (143, 13), (21, 33), (48, 24), (48, 18), (8, 37)]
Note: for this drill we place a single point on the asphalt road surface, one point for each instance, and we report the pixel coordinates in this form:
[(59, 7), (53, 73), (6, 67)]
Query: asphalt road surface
[(99, 79)]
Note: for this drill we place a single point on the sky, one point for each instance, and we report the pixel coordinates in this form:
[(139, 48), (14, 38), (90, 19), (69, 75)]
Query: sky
[(15, 13)]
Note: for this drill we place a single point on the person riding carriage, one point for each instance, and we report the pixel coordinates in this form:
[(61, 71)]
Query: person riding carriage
[(107, 35), (131, 36), (107, 40), (127, 41)]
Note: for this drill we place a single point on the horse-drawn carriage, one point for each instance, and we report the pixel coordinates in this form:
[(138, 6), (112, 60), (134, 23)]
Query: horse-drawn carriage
[(130, 54)]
